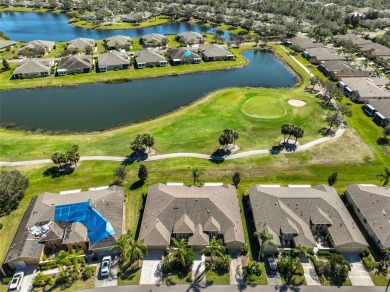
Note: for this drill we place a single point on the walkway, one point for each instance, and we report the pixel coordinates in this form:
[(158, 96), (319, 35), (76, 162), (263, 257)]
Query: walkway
[(358, 274), (151, 272), (310, 275), (198, 268), (236, 272), (298, 62), (299, 148)]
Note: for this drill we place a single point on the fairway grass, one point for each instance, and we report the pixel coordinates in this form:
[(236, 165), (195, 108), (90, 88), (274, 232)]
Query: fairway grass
[(195, 128)]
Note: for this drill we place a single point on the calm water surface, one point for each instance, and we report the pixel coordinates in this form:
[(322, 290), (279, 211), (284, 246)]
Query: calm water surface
[(27, 26), (103, 106)]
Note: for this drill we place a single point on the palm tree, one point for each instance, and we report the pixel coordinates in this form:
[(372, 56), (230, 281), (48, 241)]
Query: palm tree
[(181, 249), (313, 81), (123, 247), (196, 173), (298, 133), (266, 239), (75, 257), (215, 248), (62, 259), (137, 250), (385, 177)]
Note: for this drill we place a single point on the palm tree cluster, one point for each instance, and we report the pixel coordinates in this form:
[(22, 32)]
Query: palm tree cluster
[(265, 239), (180, 257), (289, 130), (130, 250), (69, 158), (142, 142), (227, 137), (69, 265), (196, 173)]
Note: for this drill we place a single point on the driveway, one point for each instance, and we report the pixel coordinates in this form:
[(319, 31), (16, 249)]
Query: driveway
[(110, 281), (29, 274), (358, 275), (151, 272), (236, 273), (310, 275), (198, 268)]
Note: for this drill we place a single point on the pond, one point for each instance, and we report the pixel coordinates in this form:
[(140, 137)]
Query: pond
[(27, 26), (102, 106)]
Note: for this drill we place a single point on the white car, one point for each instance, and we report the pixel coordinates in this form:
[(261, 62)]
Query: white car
[(105, 267), (16, 282)]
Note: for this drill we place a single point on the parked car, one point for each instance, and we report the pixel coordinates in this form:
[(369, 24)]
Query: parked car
[(105, 267), (271, 262), (16, 282)]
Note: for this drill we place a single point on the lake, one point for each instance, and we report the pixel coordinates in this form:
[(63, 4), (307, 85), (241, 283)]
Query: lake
[(102, 106), (28, 26)]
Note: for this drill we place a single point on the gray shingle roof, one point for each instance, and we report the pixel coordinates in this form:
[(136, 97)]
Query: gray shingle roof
[(47, 45), (324, 54), (357, 40), (381, 105), (153, 37), (374, 204), (340, 68), (81, 43), (108, 202), (182, 54), (211, 51), (113, 58), (120, 40), (367, 87), (5, 44), (31, 66), (75, 62), (168, 207), (292, 210), (189, 37), (378, 49), (305, 43), (148, 56)]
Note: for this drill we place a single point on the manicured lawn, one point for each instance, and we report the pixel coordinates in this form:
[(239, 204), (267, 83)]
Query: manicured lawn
[(193, 129), (76, 286), (120, 25), (131, 278), (122, 75), (177, 278), (266, 107), (379, 280), (213, 278)]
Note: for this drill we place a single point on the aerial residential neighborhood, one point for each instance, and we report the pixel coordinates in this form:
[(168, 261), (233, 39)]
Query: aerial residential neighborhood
[(189, 145)]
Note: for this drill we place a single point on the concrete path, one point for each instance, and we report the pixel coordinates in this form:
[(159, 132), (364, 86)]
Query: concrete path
[(151, 272), (358, 274), (298, 62), (299, 148), (236, 273), (310, 275), (198, 268), (29, 275)]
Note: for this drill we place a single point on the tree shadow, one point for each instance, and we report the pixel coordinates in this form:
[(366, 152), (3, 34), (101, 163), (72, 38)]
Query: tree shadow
[(55, 171), (137, 185), (326, 132), (383, 141), (141, 214), (135, 157), (290, 147), (276, 149)]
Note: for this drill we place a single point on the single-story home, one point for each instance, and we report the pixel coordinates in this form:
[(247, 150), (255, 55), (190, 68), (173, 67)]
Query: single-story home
[(335, 70), (135, 17), (75, 64), (118, 42), (375, 50), (41, 47), (81, 44), (215, 53), (301, 214), (371, 204), (190, 38), (379, 109), (354, 39), (153, 40), (6, 45), (91, 221), (195, 213), (303, 43), (113, 61), (31, 68), (319, 55), (149, 58), (361, 89), (183, 56)]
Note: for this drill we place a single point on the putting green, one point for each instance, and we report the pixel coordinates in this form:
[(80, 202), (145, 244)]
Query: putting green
[(265, 107)]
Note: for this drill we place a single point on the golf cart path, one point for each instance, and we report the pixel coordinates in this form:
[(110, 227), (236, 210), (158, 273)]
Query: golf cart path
[(299, 148), (298, 62)]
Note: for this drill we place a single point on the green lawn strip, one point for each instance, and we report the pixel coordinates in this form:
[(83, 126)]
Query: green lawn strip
[(195, 128), (130, 278), (177, 278), (327, 282), (29, 9), (120, 25), (379, 280), (122, 75), (76, 286), (212, 278)]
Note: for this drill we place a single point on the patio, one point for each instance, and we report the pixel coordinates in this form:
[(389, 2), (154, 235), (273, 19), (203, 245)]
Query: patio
[(322, 240)]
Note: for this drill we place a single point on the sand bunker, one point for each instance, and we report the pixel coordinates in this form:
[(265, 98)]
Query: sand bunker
[(297, 102)]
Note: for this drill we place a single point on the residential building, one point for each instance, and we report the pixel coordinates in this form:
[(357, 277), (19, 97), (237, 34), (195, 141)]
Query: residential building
[(31, 68), (113, 61), (215, 53), (75, 64), (37, 48), (149, 58), (361, 89), (303, 43), (136, 17), (375, 51), (194, 213), (371, 204), (335, 70), (319, 55), (6, 45), (183, 56), (118, 42), (91, 221), (311, 216), (190, 38), (153, 40), (354, 39), (81, 44), (379, 109)]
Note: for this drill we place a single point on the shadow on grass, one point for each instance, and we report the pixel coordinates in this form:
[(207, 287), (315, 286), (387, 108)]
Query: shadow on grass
[(141, 214), (55, 171), (250, 224), (383, 141), (136, 185)]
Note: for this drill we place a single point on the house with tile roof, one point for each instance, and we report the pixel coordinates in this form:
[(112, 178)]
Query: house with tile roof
[(75, 64), (91, 221), (371, 204), (311, 216), (194, 213)]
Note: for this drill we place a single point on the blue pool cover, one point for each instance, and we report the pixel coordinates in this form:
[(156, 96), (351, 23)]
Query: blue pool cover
[(98, 227), (187, 53)]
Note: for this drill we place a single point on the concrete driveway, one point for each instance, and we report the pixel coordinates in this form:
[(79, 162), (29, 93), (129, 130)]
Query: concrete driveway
[(198, 268), (110, 281), (236, 273), (358, 275), (151, 272), (310, 275), (29, 274)]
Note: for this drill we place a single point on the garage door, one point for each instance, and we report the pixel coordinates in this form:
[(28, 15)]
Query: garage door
[(20, 265)]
